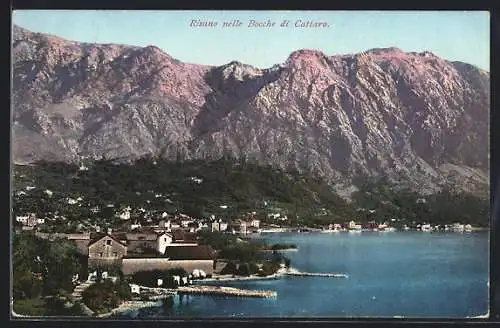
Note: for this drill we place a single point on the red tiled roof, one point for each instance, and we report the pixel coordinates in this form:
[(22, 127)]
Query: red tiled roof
[(201, 252), (98, 236)]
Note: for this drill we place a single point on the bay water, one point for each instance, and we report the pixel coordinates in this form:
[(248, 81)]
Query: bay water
[(390, 274)]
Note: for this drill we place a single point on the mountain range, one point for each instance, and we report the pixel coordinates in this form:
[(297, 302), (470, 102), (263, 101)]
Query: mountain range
[(413, 118)]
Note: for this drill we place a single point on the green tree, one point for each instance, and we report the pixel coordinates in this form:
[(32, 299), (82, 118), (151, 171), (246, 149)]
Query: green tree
[(230, 268), (26, 265), (244, 270), (61, 262)]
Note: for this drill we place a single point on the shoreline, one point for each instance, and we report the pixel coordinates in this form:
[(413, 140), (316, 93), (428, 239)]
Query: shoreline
[(128, 306), (239, 278), (280, 250), (226, 291), (278, 275), (289, 230)]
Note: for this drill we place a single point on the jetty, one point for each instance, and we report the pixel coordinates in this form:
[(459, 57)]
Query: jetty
[(158, 290), (225, 291), (317, 274)]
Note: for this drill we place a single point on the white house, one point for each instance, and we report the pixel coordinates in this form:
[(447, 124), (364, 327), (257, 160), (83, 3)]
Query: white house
[(40, 221), (22, 219), (124, 215), (255, 223), (135, 289), (196, 180), (215, 226), (223, 226), (163, 240), (185, 223), (71, 201), (48, 192), (458, 227), (382, 226), (136, 225), (426, 227), (354, 226)]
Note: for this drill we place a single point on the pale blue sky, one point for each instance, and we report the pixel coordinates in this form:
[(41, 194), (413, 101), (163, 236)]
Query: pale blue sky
[(454, 35)]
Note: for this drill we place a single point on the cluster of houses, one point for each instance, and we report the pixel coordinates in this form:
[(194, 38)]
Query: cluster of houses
[(386, 226), (29, 221), (163, 221), (142, 250)]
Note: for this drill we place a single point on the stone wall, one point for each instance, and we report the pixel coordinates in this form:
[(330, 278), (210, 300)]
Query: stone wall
[(130, 265)]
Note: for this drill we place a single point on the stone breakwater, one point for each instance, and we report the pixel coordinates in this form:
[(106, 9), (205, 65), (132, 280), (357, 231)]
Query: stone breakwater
[(317, 274), (226, 291), (222, 278)]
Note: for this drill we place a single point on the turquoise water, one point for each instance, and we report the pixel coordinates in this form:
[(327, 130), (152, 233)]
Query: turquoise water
[(410, 274)]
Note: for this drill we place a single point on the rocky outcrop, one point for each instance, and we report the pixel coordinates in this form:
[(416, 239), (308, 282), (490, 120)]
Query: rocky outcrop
[(412, 117)]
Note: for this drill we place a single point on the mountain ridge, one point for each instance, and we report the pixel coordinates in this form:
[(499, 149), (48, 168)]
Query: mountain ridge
[(410, 116)]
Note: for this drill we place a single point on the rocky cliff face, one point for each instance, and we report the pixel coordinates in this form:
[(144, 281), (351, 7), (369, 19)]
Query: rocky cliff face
[(412, 117)]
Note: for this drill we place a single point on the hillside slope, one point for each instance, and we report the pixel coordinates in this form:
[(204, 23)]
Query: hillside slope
[(412, 117)]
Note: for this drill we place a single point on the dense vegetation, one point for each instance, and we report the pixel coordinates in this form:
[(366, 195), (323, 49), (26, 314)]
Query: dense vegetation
[(245, 257), (42, 273), (46, 306), (103, 296), (157, 186), (262, 266), (408, 207)]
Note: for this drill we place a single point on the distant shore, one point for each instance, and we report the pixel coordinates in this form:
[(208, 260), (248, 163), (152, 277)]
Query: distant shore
[(313, 230), (280, 250)]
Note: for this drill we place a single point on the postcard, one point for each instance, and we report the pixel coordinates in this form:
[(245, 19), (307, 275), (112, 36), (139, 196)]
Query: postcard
[(250, 164)]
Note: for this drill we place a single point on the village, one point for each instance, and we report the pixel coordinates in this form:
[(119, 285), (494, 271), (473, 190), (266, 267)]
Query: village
[(271, 219), (123, 241)]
